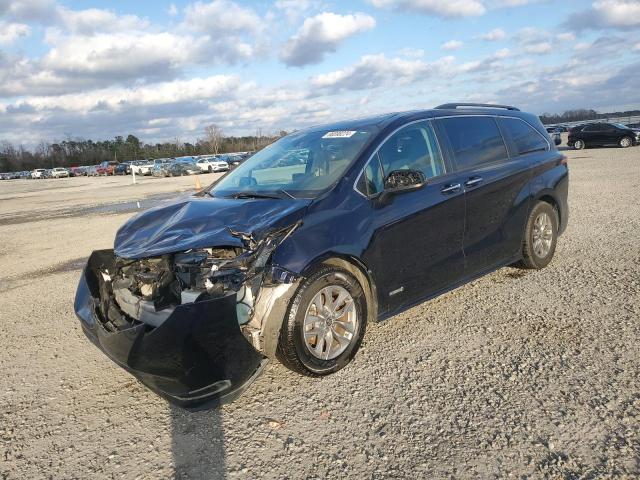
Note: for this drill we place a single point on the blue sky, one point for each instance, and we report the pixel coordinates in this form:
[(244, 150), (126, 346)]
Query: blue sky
[(165, 70)]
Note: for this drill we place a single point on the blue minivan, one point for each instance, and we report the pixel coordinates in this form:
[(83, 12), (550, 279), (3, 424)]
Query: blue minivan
[(291, 254)]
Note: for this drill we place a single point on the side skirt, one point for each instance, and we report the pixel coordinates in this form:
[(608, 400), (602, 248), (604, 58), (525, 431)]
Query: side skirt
[(430, 296)]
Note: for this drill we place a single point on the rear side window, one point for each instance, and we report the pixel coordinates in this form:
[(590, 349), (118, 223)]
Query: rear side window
[(526, 138), (475, 140)]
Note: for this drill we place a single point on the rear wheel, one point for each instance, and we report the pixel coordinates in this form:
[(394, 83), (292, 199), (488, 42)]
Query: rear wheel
[(540, 237), (626, 142), (579, 144), (325, 323)]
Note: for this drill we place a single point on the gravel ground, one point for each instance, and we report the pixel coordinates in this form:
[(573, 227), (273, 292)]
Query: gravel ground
[(518, 374)]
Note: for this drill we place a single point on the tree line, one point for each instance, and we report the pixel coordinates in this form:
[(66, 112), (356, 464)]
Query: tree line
[(75, 152), (583, 114)]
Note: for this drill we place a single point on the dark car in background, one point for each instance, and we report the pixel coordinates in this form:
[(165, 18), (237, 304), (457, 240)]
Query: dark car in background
[(183, 167), (294, 252), (123, 168), (601, 134)]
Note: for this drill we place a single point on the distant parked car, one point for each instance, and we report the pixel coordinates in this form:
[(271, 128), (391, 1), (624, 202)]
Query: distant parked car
[(212, 164), (601, 134), (59, 172), (123, 168), (554, 133), (180, 168), (235, 161), (92, 171), (142, 167), (107, 168), (38, 173), (75, 171), (160, 167)]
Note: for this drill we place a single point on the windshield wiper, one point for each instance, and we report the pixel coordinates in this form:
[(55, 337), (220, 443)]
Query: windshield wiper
[(255, 195)]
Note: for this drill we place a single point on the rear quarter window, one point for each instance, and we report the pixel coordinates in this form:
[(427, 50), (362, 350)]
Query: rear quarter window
[(474, 140), (525, 138)]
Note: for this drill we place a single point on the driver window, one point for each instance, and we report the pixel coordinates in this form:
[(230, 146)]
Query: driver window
[(414, 147)]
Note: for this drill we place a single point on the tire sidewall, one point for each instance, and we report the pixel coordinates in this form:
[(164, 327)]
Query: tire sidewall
[(540, 208), (298, 309), (579, 144)]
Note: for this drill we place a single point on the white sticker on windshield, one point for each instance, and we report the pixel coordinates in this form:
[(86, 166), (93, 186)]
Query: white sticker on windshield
[(339, 134)]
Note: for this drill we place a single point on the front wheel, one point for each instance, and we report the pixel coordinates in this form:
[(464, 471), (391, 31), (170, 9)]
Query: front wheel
[(626, 142), (540, 238), (579, 144), (325, 323)]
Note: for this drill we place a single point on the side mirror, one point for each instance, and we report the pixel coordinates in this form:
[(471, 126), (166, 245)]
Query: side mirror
[(400, 181)]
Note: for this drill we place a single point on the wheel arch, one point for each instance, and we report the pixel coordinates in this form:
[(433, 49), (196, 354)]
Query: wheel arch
[(359, 270), (547, 197)]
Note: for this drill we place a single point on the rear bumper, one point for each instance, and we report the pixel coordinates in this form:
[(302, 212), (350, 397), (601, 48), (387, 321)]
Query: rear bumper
[(197, 358)]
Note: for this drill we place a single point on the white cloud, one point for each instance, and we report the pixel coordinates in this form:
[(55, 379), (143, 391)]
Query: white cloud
[(452, 45), (513, 3), (441, 8), (616, 14), (539, 48), (221, 16), (29, 10), (411, 52), (566, 37), (373, 71), (294, 9), (322, 34), (10, 32), (208, 88), (493, 35), (172, 11), (97, 20), (120, 54)]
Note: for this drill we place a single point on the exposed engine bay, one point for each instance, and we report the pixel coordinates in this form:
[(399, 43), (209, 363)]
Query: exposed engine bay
[(148, 290)]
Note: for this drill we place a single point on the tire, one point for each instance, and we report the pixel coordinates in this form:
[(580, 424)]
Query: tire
[(625, 142), (579, 144), (210, 169), (294, 351), (536, 253)]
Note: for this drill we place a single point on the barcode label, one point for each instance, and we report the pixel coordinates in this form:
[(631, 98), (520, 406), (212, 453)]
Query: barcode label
[(339, 134)]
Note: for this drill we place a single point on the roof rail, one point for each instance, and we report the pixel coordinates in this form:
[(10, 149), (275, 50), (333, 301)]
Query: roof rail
[(453, 106)]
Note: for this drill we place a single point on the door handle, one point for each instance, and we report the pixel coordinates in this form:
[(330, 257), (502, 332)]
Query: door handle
[(473, 181), (451, 189)]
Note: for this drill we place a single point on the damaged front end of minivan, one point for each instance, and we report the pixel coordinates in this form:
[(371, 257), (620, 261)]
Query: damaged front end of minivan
[(196, 326)]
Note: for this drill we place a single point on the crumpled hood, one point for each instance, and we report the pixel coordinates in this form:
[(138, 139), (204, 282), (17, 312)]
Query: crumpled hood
[(202, 222)]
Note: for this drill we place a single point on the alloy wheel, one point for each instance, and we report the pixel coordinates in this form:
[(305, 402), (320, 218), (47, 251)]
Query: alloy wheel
[(542, 235), (330, 323)]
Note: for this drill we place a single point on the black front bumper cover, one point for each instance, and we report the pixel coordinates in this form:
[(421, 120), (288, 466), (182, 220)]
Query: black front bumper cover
[(196, 359)]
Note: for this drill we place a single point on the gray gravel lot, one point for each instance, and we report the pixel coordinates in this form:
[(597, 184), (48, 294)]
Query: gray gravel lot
[(522, 374)]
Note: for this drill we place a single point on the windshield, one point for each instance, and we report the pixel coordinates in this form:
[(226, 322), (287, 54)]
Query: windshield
[(302, 164)]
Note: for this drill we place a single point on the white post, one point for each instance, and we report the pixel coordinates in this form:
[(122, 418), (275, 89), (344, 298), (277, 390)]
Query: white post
[(133, 174)]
